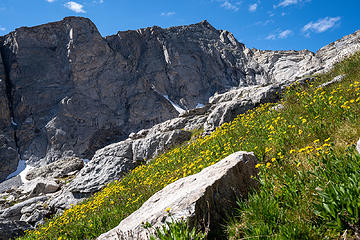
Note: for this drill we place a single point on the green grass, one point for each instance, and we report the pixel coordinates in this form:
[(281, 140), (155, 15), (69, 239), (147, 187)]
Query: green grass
[(307, 195), (175, 230), (291, 145)]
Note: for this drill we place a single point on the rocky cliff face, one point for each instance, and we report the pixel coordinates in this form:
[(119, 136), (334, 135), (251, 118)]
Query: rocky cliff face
[(287, 65), (69, 94), (8, 152), (336, 51), (67, 91), (73, 92)]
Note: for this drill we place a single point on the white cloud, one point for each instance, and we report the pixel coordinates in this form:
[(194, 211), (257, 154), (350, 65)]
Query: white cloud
[(76, 7), (271, 37), (264, 23), (321, 25), (2, 29), (168, 14), (285, 34), (101, 1), (228, 5), (280, 35), (253, 7), (286, 3), (50, 1)]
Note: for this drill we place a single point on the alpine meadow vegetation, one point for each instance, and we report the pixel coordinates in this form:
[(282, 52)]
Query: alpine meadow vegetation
[(309, 170)]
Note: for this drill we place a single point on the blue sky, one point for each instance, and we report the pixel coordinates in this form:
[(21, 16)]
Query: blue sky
[(262, 24)]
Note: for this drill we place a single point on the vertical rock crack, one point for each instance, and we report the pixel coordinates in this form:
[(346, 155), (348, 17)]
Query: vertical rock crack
[(9, 90)]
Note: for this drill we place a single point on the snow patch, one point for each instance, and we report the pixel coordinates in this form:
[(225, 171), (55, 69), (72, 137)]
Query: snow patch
[(199, 105), (21, 170), (166, 55), (69, 46), (71, 34), (13, 122), (24, 173), (177, 107)]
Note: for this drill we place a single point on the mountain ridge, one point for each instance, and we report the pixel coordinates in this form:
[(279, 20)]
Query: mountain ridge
[(188, 64), (67, 93)]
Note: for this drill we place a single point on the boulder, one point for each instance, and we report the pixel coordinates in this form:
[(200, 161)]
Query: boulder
[(58, 169), (14, 212), (335, 80), (278, 107), (40, 186), (227, 106), (153, 145), (64, 199), (108, 164), (203, 199), (14, 182), (28, 209), (34, 217), (113, 161)]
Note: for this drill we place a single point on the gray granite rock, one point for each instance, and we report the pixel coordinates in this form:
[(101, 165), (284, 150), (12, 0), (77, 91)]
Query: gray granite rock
[(335, 80), (87, 97), (227, 106), (108, 164), (283, 66), (34, 217), (113, 161), (11, 229), (203, 199), (14, 212), (14, 182), (58, 169), (64, 199), (152, 145), (338, 50), (39, 186), (95, 91), (8, 152)]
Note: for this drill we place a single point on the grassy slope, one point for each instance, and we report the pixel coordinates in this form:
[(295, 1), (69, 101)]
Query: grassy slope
[(288, 144), (313, 191)]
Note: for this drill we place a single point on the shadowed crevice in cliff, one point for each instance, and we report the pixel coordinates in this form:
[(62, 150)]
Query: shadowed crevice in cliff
[(9, 153), (9, 88)]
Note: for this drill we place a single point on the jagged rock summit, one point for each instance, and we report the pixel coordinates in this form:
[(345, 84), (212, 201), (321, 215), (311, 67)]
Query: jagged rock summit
[(70, 91)]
